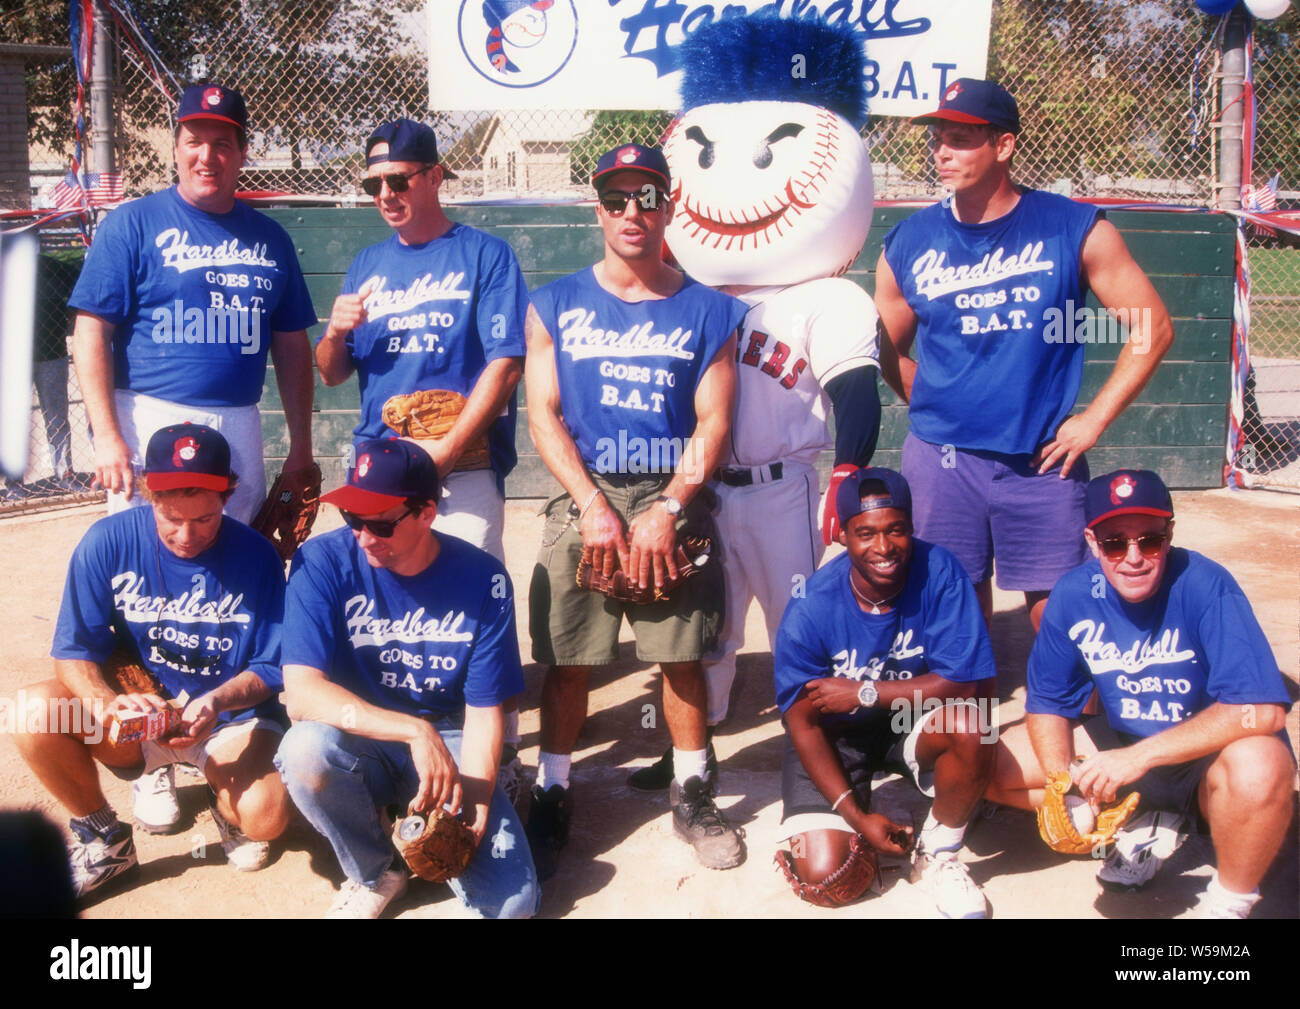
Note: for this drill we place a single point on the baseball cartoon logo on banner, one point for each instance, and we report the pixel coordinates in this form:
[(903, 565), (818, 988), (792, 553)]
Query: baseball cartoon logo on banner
[(518, 43)]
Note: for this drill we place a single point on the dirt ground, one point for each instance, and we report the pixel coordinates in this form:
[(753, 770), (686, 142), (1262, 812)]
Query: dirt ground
[(623, 859)]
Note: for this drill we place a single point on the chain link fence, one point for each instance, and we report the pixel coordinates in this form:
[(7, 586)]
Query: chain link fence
[(1117, 100)]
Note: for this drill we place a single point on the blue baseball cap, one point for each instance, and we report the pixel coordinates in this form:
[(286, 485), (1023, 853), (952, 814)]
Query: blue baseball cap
[(848, 499), (407, 140), (387, 471), (1126, 492), (187, 455), (633, 158), (213, 101), (970, 100)]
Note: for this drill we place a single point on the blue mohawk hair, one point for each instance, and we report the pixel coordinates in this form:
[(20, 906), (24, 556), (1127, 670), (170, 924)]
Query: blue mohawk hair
[(755, 58)]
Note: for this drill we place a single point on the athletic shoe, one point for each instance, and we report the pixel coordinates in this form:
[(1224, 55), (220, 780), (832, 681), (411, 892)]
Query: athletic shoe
[(699, 822), (356, 900), (242, 852), (549, 813), (153, 801), (510, 777), (1140, 848), (949, 885), (98, 858), (659, 775)]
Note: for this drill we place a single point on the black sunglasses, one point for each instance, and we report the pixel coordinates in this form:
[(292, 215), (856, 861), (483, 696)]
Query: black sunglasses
[(615, 201), (383, 528), (1149, 546), (397, 182)]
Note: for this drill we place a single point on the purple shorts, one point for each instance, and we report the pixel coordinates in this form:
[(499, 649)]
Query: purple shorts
[(986, 504)]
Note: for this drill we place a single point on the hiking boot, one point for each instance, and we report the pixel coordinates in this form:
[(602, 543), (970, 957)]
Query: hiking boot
[(699, 822), (242, 852), (549, 813), (153, 801), (98, 858), (356, 900), (1139, 849), (659, 775), (949, 885)]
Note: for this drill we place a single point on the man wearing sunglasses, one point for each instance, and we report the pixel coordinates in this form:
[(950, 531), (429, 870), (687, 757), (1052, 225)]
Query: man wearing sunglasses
[(631, 384), (400, 649), (1194, 705)]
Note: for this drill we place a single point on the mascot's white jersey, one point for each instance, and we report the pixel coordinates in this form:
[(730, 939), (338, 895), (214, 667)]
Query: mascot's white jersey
[(794, 340)]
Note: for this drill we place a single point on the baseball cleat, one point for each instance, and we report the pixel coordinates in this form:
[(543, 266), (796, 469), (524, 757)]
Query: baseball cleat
[(242, 852), (153, 801), (98, 859), (1140, 848), (699, 822), (549, 813), (949, 885), (356, 900)]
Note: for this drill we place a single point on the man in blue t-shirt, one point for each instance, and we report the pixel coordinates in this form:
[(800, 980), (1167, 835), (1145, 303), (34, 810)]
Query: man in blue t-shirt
[(882, 663), (631, 383), (195, 598), (1194, 703), (399, 651), (182, 295), (991, 285)]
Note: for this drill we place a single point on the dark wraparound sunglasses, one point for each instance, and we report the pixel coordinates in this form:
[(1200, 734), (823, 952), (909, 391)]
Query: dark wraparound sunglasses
[(615, 201), (1149, 546), (397, 182), (383, 528)]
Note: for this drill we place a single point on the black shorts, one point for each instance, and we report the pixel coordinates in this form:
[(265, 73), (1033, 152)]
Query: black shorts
[(861, 753), (1171, 787)]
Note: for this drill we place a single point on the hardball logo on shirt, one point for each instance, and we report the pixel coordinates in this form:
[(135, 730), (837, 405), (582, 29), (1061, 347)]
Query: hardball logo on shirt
[(382, 301), (213, 324), (1107, 657), (136, 607), (364, 628), (580, 339), (845, 662), (935, 278), (184, 451), (181, 256), (1121, 489)]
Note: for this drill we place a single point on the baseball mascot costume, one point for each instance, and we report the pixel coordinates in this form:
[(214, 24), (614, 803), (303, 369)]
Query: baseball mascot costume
[(772, 202)]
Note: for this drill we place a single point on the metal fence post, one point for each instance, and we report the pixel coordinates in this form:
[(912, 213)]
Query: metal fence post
[(1231, 111), (101, 90)]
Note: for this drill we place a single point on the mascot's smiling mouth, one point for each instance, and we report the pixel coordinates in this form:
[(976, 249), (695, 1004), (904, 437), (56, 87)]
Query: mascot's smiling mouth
[(751, 223)]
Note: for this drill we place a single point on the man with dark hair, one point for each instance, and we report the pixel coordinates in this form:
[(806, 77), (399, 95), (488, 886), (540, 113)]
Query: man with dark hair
[(400, 651), (196, 598)]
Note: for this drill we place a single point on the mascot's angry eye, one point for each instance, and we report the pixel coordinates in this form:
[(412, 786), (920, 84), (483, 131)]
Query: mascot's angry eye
[(763, 156), (706, 145)]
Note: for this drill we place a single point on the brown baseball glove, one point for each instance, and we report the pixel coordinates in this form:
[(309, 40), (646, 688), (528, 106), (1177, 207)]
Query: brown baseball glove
[(428, 415), (289, 511), (437, 847), (692, 554), (124, 673), (1059, 831), (843, 886)]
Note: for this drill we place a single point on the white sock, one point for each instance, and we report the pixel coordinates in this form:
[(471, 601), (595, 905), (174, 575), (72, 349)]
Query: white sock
[(553, 769), (935, 837), (1216, 893), (512, 728), (689, 764)]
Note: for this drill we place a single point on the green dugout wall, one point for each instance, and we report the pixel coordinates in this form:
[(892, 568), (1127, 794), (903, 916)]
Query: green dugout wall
[(1177, 426)]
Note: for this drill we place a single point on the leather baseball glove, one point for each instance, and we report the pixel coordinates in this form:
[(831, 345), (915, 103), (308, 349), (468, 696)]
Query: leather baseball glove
[(437, 847), (428, 415), (1059, 831), (843, 886), (692, 554), (124, 673), (289, 511)]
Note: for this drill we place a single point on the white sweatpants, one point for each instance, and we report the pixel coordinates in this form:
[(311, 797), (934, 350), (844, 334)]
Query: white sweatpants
[(471, 508)]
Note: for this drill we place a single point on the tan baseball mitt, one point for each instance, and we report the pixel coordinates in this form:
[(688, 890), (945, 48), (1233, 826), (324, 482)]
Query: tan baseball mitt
[(692, 554), (289, 511), (428, 415), (1059, 831), (437, 847)]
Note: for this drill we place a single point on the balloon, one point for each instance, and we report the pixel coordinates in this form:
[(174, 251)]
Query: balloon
[(1268, 9), (1216, 7)]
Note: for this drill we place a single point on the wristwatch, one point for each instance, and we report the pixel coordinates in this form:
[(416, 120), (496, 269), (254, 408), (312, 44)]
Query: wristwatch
[(671, 503), (867, 694)]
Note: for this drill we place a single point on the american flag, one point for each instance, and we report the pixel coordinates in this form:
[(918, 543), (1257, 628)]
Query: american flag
[(1261, 199), (68, 194), (105, 188), (102, 189)]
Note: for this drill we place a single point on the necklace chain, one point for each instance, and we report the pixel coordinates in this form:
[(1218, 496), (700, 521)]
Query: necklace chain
[(875, 604)]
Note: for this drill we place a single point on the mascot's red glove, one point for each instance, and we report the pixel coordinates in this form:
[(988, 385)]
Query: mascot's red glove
[(830, 516)]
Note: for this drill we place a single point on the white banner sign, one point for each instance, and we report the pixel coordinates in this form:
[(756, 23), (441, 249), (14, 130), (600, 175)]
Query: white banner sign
[(621, 54)]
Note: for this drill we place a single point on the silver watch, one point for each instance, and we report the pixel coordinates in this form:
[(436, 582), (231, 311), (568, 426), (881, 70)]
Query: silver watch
[(867, 694), (671, 503)]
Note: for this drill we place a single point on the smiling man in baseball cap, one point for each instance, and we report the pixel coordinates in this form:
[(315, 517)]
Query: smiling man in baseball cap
[(1193, 703), (400, 651)]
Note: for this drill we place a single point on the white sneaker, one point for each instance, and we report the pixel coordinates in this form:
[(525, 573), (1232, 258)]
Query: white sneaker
[(948, 883), (153, 801), (511, 780), (97, 858), (1140, 848), (358, 901), (243, 853)]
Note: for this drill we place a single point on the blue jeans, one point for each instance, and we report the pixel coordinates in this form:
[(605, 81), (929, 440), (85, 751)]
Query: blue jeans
[(339, 780)]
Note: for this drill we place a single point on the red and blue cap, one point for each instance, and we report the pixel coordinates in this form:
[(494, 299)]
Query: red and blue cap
[(970, 100), (407, 140), (213, 101), (386, 473), (632, 158), (1126, 492), (187, 455), (848, 499)]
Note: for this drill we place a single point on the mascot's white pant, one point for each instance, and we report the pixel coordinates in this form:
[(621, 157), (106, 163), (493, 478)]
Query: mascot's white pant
[(771, 543)]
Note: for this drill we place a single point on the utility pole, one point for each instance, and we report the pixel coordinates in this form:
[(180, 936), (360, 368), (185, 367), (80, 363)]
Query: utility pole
[(1232, 113), (101, 91)]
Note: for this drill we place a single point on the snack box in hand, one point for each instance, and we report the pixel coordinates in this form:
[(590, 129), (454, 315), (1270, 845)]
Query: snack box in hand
[(135, 728)]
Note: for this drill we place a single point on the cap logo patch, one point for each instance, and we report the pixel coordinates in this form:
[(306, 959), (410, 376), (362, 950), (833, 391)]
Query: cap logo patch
[(953, 91), (627, 155), (212, 97), (1122, 488), (363, 467), (184, 450)]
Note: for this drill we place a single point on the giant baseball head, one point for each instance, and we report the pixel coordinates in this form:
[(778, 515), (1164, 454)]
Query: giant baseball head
[(772, 182)]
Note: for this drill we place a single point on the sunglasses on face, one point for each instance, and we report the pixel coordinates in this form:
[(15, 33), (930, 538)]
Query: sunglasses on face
[(1115, 548), (383, 528), (615, 201), (397, 182)]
